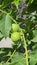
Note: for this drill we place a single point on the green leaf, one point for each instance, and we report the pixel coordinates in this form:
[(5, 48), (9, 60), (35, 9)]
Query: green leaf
[(5, 25), (31, 1), (16, 2), (34, 47), (34, 39), (7, 64), (33, 58), (0, 63), (6, 2), (1, 35), (35, 36), (35, 32), (18, 59)]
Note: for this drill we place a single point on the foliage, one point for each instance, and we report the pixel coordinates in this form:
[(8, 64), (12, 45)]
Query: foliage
[(23, 14)]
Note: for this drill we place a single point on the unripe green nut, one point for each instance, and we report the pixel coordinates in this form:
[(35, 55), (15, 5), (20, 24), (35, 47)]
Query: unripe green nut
[(15, 36), (15, 27)]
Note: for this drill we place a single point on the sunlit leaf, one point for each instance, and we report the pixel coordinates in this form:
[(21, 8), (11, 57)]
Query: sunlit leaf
[(5, 25)]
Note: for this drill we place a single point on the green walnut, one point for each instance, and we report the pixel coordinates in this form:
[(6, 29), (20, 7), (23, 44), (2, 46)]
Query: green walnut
[(15, 27), (15, 36)]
